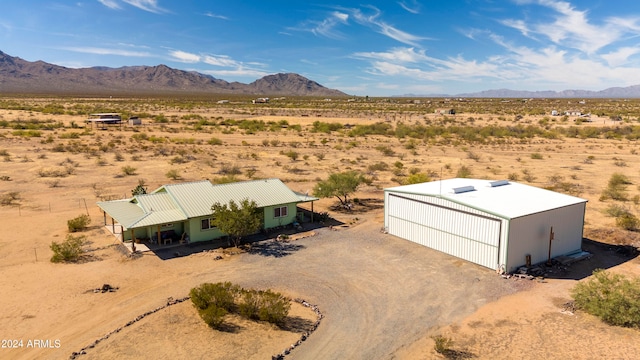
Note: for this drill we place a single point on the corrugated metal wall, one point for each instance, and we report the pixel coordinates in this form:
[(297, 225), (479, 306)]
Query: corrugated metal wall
[(445, 226)]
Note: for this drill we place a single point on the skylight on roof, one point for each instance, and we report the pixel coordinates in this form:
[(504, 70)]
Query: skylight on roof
[(499, 183), (463, 189)]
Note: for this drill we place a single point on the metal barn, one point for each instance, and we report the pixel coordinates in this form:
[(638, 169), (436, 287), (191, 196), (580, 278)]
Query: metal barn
[(496, 224)]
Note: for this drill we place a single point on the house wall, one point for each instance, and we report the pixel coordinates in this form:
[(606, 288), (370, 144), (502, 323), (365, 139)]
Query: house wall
[(529, 235), (270, 221), (197, 234)]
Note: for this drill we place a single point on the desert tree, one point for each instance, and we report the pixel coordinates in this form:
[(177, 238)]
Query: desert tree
[(140, 189), (341, 185), (237, 219)]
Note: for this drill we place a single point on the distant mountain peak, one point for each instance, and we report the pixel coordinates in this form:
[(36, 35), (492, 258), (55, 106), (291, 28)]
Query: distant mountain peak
[(20, 76)]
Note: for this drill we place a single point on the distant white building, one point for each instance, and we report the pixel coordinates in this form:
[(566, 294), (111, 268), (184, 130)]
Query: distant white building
[(554, 113), (573, 113)]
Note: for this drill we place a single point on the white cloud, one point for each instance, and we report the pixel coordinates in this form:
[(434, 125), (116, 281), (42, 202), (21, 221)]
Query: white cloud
[(327, 27), (573, 29), (238, 72), (107, 51), (184, 57), (384, 28), (399, 54), (215, 16), (620, 56), (220, 60), (111, 4), (146, 5), (413, 7)]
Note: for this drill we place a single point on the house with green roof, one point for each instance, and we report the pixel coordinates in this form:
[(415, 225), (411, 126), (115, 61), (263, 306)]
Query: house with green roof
[(183, 211)]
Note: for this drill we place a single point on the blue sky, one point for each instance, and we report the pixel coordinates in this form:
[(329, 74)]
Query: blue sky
[(374, 48)]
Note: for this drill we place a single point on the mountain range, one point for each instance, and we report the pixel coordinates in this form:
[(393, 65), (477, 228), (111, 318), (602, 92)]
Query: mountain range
[(38, 77)]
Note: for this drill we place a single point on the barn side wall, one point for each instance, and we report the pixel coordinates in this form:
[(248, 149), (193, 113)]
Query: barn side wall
[(529, 235)]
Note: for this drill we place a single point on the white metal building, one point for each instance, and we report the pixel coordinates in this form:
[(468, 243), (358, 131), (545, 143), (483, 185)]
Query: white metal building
[(495, 224)]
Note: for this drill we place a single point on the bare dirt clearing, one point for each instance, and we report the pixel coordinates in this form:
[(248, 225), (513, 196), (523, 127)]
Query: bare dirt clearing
[(382, 297)]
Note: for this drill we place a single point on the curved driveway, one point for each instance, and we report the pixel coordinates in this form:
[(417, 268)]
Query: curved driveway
[(378, 293)]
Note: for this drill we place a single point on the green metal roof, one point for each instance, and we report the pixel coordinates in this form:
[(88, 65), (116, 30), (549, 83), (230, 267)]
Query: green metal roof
[(178, 202)]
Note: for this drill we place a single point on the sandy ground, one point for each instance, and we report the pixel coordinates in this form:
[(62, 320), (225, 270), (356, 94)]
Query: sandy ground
[(383, 298)]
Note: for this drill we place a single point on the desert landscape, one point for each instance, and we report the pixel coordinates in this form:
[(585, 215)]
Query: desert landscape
[(380, 297)]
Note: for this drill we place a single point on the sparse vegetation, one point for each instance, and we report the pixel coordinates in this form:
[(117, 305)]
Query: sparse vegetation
[(79, 223), (214, 301), (612, 297), (69, 250)]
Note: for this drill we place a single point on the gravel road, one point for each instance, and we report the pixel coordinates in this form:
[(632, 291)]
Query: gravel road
[(379, 293)]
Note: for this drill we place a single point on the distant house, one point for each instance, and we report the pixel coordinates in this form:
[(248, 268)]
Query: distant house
[(262, 100), (183, 211), (223, 101), (573, 113), (445, 111), (134, 120), (554, 113)]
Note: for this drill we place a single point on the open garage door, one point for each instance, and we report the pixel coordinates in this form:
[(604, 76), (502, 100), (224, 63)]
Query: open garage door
[(457, 232)]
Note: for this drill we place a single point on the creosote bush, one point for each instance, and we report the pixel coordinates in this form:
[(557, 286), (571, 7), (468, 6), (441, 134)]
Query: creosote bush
[(79, 223), (612, 297), (69, 250), (214, 301)]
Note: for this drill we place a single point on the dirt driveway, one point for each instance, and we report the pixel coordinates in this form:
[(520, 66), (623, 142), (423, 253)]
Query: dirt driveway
[(379, 293)]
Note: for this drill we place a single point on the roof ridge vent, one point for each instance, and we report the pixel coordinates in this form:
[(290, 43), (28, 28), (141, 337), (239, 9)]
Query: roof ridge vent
[(499, 183), (463, 189)]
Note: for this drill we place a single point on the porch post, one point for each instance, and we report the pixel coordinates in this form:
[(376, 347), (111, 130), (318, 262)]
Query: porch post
[(312, 211), (159, 235), (104, 216), (133, 241), (113, 226)]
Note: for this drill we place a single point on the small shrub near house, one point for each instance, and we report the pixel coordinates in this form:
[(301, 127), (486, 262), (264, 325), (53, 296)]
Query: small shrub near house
[(79, 223), (613, 298), (215, 301), (69, 250)]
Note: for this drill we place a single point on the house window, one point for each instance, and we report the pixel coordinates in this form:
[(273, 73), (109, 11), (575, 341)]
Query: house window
[(280, 212), (206, 224), (169, 225)]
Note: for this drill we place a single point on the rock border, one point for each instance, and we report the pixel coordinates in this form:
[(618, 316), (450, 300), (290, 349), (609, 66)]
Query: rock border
[(171, 301), (306, 334)]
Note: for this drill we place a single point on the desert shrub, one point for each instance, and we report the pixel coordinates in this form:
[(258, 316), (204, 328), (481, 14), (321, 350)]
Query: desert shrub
[(536, 156), (249, 306), (611, 297), (616, 188), (213, 316), (9, 198), (274, 307), (463, 172), (129, 170), (78, 223), (628, 221), (379, 166), (69, 250), (220, 295), (214, 141), (291, 154), (173, 174), (214, 301), (228, 169), (442, 344), (385, 150), (226, 179), (416, 178)]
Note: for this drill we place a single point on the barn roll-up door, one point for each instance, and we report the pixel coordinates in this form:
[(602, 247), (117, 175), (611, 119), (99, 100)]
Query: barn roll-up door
[(457, 232)]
